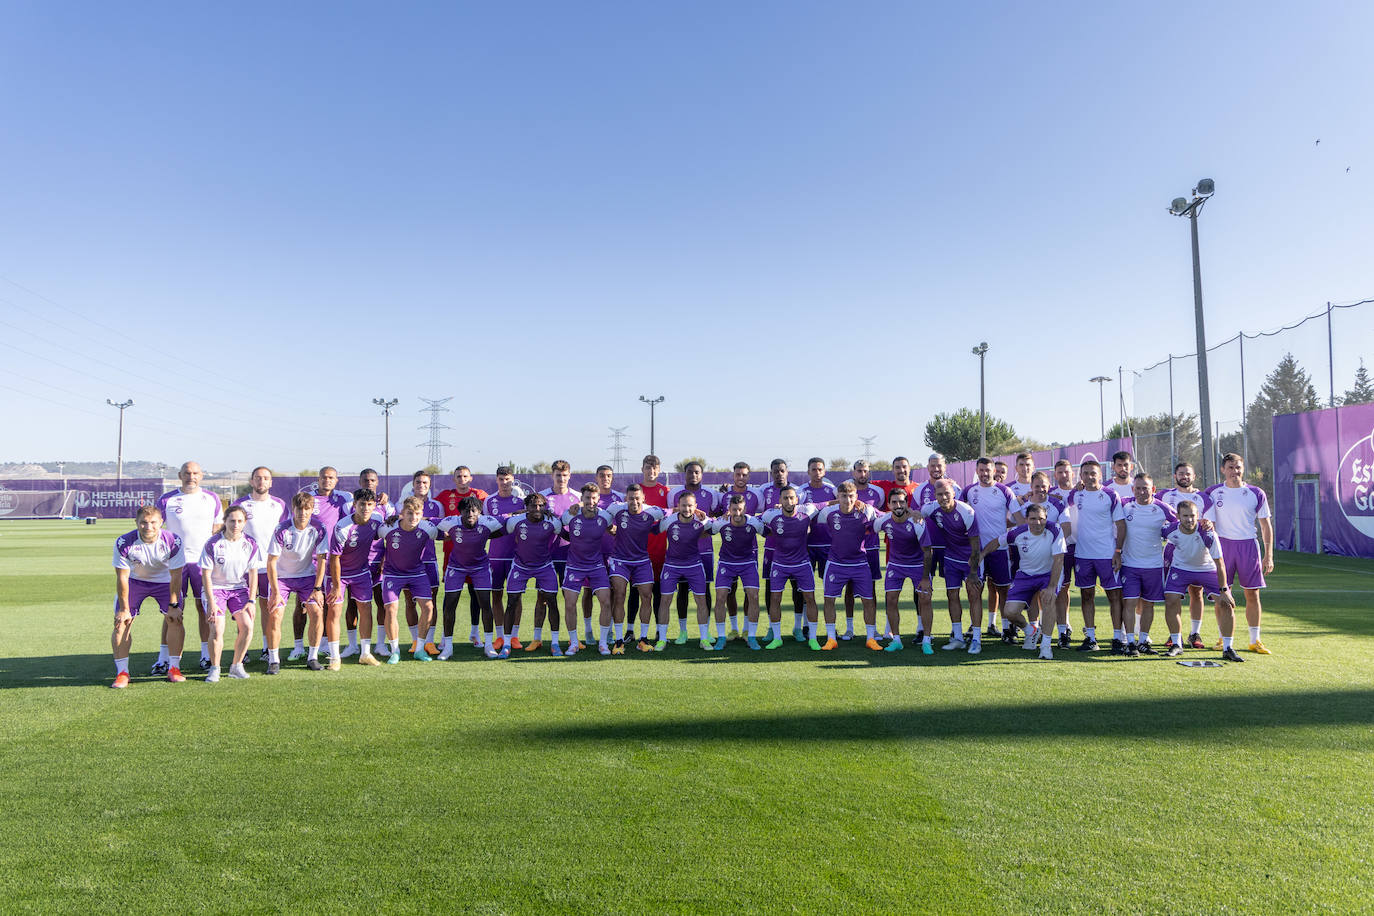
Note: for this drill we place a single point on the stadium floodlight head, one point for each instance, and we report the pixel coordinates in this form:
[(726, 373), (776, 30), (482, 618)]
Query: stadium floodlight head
[(981, 348), (1179, 206), (1206, 187)]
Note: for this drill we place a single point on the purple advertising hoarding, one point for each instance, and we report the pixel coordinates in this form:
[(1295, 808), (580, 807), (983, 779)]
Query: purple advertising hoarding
[(1324, 481), (99, 497)]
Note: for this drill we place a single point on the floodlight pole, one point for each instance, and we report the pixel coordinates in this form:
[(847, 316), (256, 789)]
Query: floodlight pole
[(1101, 403), (1201, 194), (652, 404), (386, 406), (119, 454), (980, 351)]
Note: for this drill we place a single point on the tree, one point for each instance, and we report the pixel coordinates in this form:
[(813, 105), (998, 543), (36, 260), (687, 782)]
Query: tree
[(1151, 434), (955, 435), (541, 467), (306, 472), (882, 464), (431, 469), (682, 465), (839, 464), (1288, 389), (1363, 392)]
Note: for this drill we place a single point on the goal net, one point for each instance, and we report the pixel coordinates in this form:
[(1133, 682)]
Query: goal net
[(37, 503)]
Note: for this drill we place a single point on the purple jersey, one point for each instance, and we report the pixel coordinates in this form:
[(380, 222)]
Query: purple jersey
[(925, 493), (682, 539), (353, 544), (739, 543), (956, 527), (906, 539), (585, 536), (330, 510), (770, 497), (533, 540), (558, 503), (605, 501), (501, 508), (708, 501), (871, 495), (789, 534), (848, 533), (632, 531), (470, 544), (149, 562), (403, 551), (824, 492), (992, 504), (753, 500)]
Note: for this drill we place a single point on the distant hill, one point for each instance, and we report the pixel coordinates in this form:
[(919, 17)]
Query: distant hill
[(139, 468)]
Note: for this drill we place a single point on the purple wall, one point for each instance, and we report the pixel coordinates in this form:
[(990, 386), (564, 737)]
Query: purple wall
[(97, 496), (1338, 445)]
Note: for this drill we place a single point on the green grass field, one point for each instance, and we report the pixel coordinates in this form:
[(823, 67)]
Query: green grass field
[(685, 782)]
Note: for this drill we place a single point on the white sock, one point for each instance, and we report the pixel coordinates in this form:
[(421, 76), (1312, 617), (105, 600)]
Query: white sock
[(1046, 641), (849, 623), (476, 633), (122, 665), (1090, 632), (734, 622), (643, 631), (1176, 638), (830, 630), (415, 633), (264, 641), (300, 645), (429, 637), (800, 621), (353, 639), (956, 630), (487, 640), (273, 657), (204, 650), (538, 634), (662, 631), (751, 627), (1196, 628), (333, 645), (394, 645), (872, 630), (312, 652), (448, 642), (925, 640), (1063, 628), (975, 634), (162, 652), (605, 634), (1226, 642), (366, 646), (775, 629), (1254, 634)]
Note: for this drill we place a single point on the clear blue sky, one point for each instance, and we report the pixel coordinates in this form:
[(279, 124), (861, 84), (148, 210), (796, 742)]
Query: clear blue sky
[(791, 219)]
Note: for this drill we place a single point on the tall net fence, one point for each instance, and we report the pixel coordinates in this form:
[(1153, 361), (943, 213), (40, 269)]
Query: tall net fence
[(1313, 362)]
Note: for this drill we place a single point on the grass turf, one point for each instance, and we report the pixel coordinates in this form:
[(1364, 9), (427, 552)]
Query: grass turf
[(685, 782)]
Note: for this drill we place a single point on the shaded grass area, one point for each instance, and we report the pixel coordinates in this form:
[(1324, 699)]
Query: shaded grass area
[(682, 782)]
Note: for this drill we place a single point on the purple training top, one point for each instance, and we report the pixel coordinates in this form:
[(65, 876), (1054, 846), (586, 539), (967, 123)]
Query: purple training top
[(906, 539), (501, 508), (632, 531), (403, 551), (682, 539), (470, 544), (739, 543), (352, 544), (789, 534), (533, 540), (586, 547), (956, 527), (848, 533)]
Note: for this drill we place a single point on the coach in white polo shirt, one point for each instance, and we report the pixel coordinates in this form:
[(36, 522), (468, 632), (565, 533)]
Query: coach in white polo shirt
[(193, 515), (1235, 509)]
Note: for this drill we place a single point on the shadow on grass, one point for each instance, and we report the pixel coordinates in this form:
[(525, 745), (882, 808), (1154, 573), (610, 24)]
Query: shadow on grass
[(1185, 717)]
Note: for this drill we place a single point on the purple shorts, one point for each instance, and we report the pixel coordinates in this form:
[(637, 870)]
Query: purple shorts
[(955, 572), (545, 579), (358, 586), (1146, 583), (693, 576), (1178, 580), (1242, 559), (500, 569), (456, 576), (819, 554), (1068, 566), (395, 583), (997, 568), (635, 572), (575, 579), (432, 572), (231, 601), (1025, 586), (263, 586), (746, 573), (801, 576), (708, 564), (899, 573), (140, 591), (875, 565), (192, 581), (838, 575), (1088, 573), (297, 585)]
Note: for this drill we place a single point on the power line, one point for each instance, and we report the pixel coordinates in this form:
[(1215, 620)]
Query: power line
[(435, 443), (618, 448)]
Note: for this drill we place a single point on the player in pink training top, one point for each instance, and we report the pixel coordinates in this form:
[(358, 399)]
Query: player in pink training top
[(789, 525), (231, 583), (908, 560), (1235, 510), (630, 565), (468, 533), (683, 562), (992, 503), (296, 564), (1185, 490), (739, 562), (961, 568), (534, 532), (584, 528), (850, 523), (407, 545), (147, 562), (193, 515), (1196, 560), (265, 512), (350, 573)]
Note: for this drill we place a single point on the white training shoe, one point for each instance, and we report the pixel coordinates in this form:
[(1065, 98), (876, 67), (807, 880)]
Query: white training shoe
[(446, 653), (975, 647), (381, 651), (349, 652), (954, 643), (296, 655), (1046, 652), (212, 676), (1032, 640), (236, 671)]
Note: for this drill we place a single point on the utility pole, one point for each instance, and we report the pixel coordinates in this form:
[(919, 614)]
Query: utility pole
[(386, 406), (119, 453), (981, 351), (1101, 403), (618, 448), (435, 444), (652, 404), (1182, 207)]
